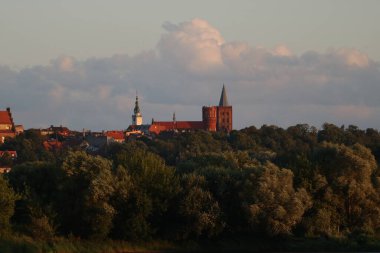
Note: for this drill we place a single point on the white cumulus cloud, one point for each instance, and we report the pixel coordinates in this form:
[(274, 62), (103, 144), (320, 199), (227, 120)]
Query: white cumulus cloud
[(194, 45)]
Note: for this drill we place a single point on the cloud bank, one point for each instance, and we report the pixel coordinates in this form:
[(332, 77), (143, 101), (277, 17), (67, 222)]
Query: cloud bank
[(185, 71)]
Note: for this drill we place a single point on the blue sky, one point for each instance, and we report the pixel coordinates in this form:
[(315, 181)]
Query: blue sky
[(283, 62)]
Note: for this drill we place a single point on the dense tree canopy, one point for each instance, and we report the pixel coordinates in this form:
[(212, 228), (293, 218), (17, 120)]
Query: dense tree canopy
[(7, 203), (266, 181)]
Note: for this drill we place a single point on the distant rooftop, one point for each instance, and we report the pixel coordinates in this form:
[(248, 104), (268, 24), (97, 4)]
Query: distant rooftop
[(5, 118)]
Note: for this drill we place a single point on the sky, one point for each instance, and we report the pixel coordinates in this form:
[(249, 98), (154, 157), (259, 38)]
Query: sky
[(80, 63)]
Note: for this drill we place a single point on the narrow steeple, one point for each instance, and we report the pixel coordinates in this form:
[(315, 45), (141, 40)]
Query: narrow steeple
[(137, 117), (223, 98), (137, 108)]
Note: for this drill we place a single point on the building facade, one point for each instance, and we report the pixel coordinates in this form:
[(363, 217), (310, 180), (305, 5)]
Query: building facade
[(7, 126), (137, 118), (214, 118), (218, 118)]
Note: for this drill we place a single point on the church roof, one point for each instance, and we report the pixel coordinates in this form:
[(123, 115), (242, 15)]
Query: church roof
[(180, 125), (138, 128), (223, 98), (159, 126)]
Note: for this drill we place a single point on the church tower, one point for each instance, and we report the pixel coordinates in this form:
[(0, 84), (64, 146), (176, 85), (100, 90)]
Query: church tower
[(224, 113), (137, 116), (209, 118)]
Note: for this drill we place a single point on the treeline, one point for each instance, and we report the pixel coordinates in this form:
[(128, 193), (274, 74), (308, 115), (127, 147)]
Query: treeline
[(267, 182)]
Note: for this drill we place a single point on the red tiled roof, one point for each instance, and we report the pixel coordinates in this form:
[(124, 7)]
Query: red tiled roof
[(189, 125), (179, 124), (159, 126), (4, 118), (117, 135)]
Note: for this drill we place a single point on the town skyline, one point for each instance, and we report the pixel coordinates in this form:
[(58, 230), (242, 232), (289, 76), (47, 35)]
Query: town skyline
[(282, 63)]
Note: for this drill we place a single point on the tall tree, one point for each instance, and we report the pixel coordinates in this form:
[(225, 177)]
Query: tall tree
[(350, 194), (199, 212), (272, 204), (88, 184), (7, 204), (154, 187)]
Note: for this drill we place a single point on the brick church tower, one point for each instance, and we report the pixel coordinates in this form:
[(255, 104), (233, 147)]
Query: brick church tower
[(224, 113), (209, 118), (214, 118), (218, 118)]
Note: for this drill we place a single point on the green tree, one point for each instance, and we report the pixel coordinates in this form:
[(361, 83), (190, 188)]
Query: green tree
[(6, 160), (120, 201), (241, 141), (39, 179), (272, 204), (331, 133), (37, 184), (154, 188), (7, 204), (350, 194), (199, 212), (84, 204)]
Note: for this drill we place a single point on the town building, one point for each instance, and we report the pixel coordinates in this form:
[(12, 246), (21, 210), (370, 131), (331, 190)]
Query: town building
[(5, 169), (137, 118), (11, 153), (117, 136), (6, 160), (7, 126), (214, 118), (56, 131), (137, 128)]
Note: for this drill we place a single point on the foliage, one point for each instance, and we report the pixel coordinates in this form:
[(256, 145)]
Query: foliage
[(271, 201), (349, 195), (7, 205), (199, 212), (84, 204), (152, 190), (265, 182)]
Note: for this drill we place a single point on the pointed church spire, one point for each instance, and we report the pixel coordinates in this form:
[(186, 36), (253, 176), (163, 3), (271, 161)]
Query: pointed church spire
[(137, 108), (223, 98), (137, 117)]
